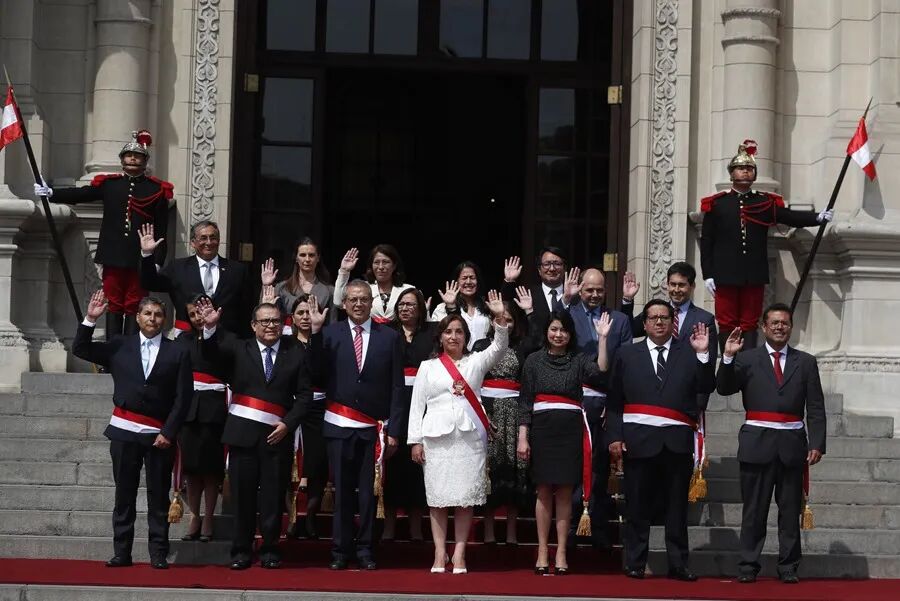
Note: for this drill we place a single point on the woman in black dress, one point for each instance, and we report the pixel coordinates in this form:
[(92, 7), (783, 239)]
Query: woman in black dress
[(551, 430), (202, 453)]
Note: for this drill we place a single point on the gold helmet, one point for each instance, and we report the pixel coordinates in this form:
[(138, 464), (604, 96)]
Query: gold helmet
[(140, 143), (744, 157)]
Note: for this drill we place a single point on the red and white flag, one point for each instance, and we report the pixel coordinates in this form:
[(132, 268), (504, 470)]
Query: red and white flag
[(10, 128), (858, 149)]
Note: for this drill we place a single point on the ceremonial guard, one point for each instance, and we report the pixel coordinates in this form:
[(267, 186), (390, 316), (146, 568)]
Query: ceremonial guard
[(733, 253), (130, 199)]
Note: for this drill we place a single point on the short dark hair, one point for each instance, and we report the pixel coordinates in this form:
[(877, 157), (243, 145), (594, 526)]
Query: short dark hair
[(553, 250), (568, 324), (779, 307), (391, 253), (357, 283), (265, 306), (200, 224), (682, 268), (151, 300), (422, 321), (301, 298), (443, 325), (658, 302)]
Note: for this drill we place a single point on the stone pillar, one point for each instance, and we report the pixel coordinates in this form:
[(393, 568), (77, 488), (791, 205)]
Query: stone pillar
[(121, 83), (13, 347), (750, 77)]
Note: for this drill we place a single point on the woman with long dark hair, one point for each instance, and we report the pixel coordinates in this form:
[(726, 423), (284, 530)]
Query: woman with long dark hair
[(468, 299), (309, 277), (384, 272)]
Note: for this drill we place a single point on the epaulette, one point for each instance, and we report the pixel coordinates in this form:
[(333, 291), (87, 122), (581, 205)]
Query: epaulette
[(99, 179), (778, 199), (168, 189), (707, 202)]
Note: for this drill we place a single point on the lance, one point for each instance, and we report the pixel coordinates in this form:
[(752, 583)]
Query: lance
[(815, 245), (51, 224)]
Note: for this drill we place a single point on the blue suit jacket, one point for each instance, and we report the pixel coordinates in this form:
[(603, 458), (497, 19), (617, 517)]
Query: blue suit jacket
[(619, 335), (377, 390)]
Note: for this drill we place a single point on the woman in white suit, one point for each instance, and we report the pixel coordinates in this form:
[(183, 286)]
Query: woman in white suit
[(448, 429)]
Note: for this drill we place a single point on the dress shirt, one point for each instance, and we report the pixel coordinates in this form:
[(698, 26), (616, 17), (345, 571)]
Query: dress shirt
[(682, 312), (262, 351), (783, 359), (215, 270), (593, 315), (549, 299), (153, 348), (366, 332), (701, 357)]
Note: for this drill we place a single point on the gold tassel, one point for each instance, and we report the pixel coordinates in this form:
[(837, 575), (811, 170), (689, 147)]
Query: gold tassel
[(379, 511), (176, 509), (328, 498), (292, 508), (379, 492), (698, 487), (584, 522), (807, 523)]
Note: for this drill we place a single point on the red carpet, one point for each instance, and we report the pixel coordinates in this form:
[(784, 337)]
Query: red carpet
[(514, 582)]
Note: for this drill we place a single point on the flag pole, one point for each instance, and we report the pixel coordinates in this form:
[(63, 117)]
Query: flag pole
[(821, 232), (51, 224)]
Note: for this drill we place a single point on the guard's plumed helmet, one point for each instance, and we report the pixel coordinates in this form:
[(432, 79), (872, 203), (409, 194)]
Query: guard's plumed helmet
[(140, 143), (744, 157)]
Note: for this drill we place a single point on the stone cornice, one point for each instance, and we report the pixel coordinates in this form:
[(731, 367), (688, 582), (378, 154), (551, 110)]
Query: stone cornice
[(751, 11), (858, 363), (750, 39)]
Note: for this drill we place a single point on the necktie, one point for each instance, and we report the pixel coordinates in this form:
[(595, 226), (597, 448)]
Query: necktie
[(660, 363), (145, 357), (208, 279), (592, 315), (677, 310), (779, 376), (554, 301), (357, 346), (269, 364)]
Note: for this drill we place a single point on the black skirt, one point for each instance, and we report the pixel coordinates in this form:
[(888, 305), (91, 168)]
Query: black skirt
[(202, 453), (315, 459), (404, 480), (556, 447)]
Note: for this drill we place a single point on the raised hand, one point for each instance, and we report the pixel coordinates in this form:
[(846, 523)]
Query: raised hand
[(495, 304), (428, 306), (210, 314), (734, 343), (700, 338), (267, 272), (316, 317), (523, 300), (630, 286), (603, 325), (512, 269), (449, 293), (96, 306), (268, 294), (349, 260), (572, 285), (148, 244)]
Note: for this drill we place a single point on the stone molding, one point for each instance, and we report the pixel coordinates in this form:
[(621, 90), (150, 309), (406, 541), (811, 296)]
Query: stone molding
[(859, 363), (205, 98), (751, 39), (662, 144), (750, 11)]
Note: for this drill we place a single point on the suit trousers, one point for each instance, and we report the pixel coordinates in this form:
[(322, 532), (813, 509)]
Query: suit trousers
[(127, 460), (758, 480), (259, 478), (665, 476), (352, 461)]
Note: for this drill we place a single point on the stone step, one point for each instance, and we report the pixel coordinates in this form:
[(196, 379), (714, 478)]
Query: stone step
[(100, 548), (834, 403), (864, 426), (725, 445), (866, 517), (70, 428), (49, 449), (830, 468), (819, 540), (821, 491), (70, 405), (56, 383), (26, 522), (43, 497), (57, 473)]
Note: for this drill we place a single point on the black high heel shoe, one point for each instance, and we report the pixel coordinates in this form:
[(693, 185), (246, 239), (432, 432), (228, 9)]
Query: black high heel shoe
[(191, 536), (541, 570), (561, 571)]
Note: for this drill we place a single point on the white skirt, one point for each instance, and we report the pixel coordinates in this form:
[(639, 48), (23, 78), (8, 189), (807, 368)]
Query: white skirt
[(455, 470)]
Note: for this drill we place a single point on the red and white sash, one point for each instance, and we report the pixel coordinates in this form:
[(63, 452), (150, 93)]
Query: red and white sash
[(500, 389), (546, 402), (182, 326), (590, 391), (343, 416), (700, 442), (134, 422), (381, 320), (256, 409), (774, 420), (653, 415), (409, 375), (287, 329), (318, 394), (204, 381), (473, 406)]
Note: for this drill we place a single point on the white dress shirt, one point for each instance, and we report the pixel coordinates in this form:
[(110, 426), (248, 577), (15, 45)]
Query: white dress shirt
[(549, 299), (366, 333), (153, 348), (262, 351), (701, 357), (783, 359), (215, 270)]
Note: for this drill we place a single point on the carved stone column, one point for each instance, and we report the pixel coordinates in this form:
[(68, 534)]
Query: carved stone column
[(751, 44), (13, 347), (203, 114)]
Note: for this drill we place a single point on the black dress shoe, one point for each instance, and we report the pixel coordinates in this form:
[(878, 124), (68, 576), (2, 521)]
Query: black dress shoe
[(683, 574), (749, 578), (271, 564), (338, 564), (159, 563), (240, 564), (634, 573), (367, 564), (789, 578), (119, 562)]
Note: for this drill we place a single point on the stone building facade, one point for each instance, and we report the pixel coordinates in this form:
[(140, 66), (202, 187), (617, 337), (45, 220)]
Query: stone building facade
[(705, 74)]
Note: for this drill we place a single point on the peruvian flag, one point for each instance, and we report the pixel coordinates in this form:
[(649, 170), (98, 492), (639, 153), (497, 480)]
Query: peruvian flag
[(858, 149), (10, 128)]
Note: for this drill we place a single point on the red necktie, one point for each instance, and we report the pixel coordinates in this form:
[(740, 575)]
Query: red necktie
[(357, 346), (779, 376), (675, 321)]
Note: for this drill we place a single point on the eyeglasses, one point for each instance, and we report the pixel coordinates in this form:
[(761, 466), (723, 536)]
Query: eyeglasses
[(659, 318), (552, 264), (267, 323), (358, 300), (405, 305)]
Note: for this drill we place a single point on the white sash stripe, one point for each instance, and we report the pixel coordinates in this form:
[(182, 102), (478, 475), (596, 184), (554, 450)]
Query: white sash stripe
[(345, 422), (410, 380), (208, 386), (467, 407), (775, 425), (254, 414), (546, 406), (651, 420), (585, 391), (318, 396), (499, 393), (125, 424)]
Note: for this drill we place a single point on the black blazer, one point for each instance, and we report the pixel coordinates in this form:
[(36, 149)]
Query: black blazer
[(289, 387), (541, 312), (377, 391), (164, 395), (633, 381), (207, 406), (800, 394), (182, 280)]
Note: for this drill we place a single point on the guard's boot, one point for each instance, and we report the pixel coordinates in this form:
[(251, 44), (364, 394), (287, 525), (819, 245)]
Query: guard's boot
[(131, 325), (113, 325)]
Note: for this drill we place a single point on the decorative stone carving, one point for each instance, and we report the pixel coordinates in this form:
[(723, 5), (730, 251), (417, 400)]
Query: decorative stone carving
[(205, 98), (662, 175), (859, 363)]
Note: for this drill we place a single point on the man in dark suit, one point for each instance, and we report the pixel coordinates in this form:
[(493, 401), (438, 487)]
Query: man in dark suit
[(271, 392), (225, 282), (361, 364), (653, 408), (780, 385), (548, 294), (585, 312), (152, 391)]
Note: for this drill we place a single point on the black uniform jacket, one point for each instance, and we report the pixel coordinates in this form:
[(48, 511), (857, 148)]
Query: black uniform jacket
[(800, 394), (733, 250), (634, 381), (164, 395), (128, 203)]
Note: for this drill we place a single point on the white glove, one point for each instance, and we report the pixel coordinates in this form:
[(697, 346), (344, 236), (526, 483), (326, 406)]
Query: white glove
[(825, 216), (710, 286), (42, 189)]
